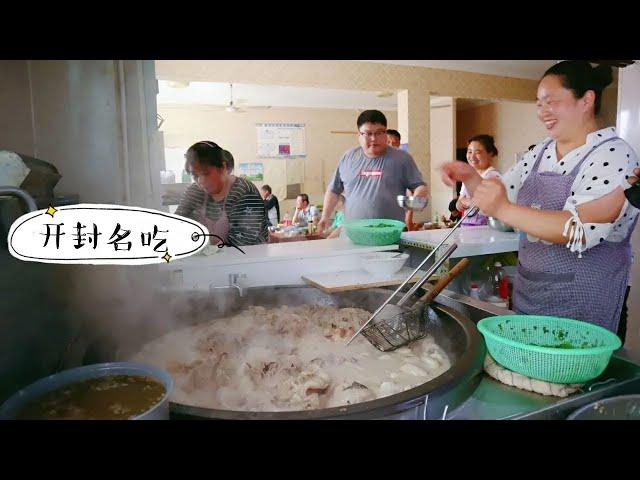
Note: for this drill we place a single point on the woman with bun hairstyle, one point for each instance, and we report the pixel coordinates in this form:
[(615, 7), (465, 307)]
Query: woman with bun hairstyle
[(574, 252)]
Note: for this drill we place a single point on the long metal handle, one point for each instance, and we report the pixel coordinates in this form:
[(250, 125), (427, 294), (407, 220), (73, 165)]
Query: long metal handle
[(437, 264), (469, 213)]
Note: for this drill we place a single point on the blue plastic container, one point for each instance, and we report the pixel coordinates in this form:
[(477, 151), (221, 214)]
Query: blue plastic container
[(160, 411)]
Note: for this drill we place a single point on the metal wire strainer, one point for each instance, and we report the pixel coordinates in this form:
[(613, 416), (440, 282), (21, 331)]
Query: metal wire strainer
[(411, 324)]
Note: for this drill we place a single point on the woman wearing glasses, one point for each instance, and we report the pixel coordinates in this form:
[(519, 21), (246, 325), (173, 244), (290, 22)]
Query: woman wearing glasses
[(372, 175), (230, 207), (574, 253)]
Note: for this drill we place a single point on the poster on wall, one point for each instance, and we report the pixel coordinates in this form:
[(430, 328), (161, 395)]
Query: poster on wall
[(254, 172), (281, 140)]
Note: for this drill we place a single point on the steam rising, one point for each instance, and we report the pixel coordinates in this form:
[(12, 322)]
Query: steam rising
[(120, 308)]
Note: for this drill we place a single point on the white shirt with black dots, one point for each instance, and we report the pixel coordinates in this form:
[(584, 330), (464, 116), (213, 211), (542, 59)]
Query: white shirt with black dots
[(606, 168)]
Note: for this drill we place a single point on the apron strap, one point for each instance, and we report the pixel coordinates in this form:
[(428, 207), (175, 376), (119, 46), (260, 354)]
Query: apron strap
[(224, 204), (574, 172), (536, 164), (204, 204), (575, 169)]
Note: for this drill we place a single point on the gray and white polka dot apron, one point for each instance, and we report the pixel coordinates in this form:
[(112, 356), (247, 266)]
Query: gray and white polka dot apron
[(552, 280)]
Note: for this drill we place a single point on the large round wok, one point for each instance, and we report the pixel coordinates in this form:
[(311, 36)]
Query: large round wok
[(456, 334)]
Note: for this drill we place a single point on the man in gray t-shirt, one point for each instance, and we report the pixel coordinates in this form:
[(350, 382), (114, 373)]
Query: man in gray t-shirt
[(372, 175)]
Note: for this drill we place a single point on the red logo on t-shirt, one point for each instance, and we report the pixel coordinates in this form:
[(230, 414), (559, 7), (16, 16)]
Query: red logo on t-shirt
[(371, 173)]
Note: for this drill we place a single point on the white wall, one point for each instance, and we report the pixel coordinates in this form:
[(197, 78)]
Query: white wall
[(628, 126), (443, 142), (70, 114), (77, 126)]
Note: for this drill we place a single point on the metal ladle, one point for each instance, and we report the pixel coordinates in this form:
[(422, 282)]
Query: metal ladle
[(412, 203)]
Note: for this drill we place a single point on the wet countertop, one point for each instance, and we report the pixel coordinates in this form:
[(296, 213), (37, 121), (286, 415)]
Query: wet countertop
[(493, 400), (471, 241), (270, 252)]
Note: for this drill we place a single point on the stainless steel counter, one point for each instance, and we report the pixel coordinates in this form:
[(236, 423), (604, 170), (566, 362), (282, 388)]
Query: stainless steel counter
[(493, 400)]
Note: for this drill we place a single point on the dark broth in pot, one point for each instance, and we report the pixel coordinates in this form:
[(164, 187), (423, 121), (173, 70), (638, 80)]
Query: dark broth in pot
[(112, 397)]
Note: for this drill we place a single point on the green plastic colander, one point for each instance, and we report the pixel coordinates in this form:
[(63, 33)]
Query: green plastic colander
[(558, 350), (370, 231)]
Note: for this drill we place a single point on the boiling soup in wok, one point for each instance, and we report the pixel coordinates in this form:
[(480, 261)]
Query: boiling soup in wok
[(112, 397), (287, 358)]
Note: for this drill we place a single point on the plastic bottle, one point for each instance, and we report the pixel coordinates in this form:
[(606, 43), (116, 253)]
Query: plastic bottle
[(496, 274), (499, 285), (474, 291)]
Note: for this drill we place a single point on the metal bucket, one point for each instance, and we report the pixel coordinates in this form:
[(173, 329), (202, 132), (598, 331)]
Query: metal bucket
[(624, 407), (160, 411)]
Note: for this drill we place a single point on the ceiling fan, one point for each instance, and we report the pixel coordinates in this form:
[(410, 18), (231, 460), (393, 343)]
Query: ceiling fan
[(233, 108)]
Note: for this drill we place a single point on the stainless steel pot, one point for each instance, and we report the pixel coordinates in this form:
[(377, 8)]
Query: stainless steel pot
[(456, 334), (624, 407)]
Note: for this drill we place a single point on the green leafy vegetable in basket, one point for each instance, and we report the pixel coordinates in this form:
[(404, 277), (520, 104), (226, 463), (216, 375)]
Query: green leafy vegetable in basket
[(573, 351), (380, 225), (374, 231), (562, 345), (566, 345)]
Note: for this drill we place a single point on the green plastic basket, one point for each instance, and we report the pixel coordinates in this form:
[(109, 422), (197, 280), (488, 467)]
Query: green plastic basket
[(558, 350), (361, 231)]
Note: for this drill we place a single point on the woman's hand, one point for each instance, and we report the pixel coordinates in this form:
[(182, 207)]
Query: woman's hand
[(633, 180), (491, 197), (456, 171)]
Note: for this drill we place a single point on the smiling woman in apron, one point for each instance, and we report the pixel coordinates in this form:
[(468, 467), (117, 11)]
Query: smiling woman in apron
[(481, 152), (230, 207), (574, 253)]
